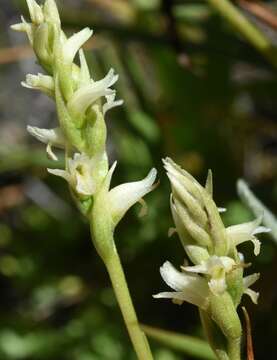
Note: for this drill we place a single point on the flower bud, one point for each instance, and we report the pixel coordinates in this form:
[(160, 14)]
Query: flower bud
[(40, 82), (36, 12), (51, 13), (195, 212)]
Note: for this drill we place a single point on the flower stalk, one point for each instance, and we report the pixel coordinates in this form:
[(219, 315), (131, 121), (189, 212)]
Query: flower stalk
[(82, 104)]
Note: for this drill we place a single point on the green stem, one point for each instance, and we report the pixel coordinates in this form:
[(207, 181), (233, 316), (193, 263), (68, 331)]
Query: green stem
[(122, 294), (234, 349), (246, 28)]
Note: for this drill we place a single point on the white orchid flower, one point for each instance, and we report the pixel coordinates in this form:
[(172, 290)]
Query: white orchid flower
[(86, 95), (191, 288), (40, 82), (122, 197), (247, 282), (216, 267), (51, 137), (79, 174), (238, 234), (74, 43)]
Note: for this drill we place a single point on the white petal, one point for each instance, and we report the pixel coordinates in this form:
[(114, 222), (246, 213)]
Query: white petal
[(111, 103), (250, 280), (50, 152), (253, 295), (51, 12), (85, 74), (122, 197), (174, 278), (260, 230), (74, 43), (178, 297), (62, 173), (246, 232), (221, 210), (24, 27), (53, 136), (189, 287)]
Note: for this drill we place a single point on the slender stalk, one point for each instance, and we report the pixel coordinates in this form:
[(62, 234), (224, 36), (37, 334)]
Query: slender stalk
[(122, 294), (246, 28)]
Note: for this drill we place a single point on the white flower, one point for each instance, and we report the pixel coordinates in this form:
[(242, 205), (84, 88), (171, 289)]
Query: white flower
[(87, 95), (51, 137), (247, 282), (40, 82), (79, 174), (238, 234), (188, 287), (122, 197), (216, 267), (74, 43)]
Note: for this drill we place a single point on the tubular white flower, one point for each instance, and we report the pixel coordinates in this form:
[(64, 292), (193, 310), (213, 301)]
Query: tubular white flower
[(79, 174), (247, 282), (124, 196), (40, 82), (188, 287), (87, 95), (51, 137), (216, 267), (36, 12), (74, 43), (238, 234)]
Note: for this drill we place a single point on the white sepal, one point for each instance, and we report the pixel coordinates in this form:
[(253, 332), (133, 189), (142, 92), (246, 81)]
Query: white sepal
[(74, 43), (87, 95), (123, 196), (79, 174), (51, 137), (36, 12), (238, 234), (24, 27), (188, 287), (247, 282)]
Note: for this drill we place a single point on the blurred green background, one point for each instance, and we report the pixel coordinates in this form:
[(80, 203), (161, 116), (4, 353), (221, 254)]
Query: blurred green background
[(194, 90)]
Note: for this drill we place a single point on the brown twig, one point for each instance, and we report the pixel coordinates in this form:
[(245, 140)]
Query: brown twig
[(261, 11), (250, 351)]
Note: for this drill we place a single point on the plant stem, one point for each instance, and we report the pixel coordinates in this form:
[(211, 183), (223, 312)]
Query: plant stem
[(246, 28), (234, 349), (122, 294)]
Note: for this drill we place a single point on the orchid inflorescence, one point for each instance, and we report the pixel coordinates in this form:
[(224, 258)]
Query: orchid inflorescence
[(215, 280), (81, 105), (216, 274)]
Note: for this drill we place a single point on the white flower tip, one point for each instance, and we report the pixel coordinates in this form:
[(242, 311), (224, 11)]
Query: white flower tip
[(222, 210)]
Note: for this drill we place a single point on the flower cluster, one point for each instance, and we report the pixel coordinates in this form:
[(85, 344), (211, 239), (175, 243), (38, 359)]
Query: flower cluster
[(217, 266), (81, 105)]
